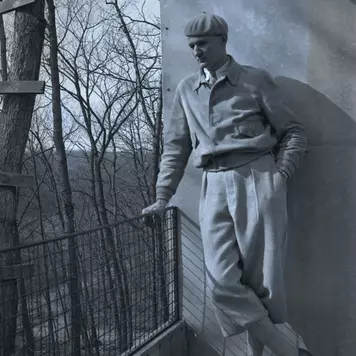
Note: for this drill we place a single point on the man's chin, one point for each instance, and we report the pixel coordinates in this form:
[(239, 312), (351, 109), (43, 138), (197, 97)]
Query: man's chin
[(203, 65)]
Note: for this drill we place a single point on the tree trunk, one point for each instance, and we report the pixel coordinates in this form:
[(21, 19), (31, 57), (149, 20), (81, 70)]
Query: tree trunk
[(125, 317), (15, 122), (64, 183), (157, 231), (3, 59), (46, 290), (92, 344), (157, 144), (109, 255)]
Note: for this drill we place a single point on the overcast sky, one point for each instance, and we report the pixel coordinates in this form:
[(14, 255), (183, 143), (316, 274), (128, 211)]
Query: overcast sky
[(153, 6)]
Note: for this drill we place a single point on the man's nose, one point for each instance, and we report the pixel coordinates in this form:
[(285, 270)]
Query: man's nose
[(197, 51)]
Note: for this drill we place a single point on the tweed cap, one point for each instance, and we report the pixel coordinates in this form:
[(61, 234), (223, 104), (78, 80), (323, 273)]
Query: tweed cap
[(206, 25)]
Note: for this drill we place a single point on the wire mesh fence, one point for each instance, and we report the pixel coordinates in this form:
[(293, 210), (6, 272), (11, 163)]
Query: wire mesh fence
[(106, 291)]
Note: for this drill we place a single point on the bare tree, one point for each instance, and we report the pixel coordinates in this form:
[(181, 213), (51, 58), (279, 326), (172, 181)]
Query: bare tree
[(64, 183), (3, 46), (149, 99), (15, 121), (104, 70), (146, 66), (46, 290), (100, 123)]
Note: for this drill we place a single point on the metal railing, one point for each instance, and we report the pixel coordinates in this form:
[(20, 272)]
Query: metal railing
[(103, 292)]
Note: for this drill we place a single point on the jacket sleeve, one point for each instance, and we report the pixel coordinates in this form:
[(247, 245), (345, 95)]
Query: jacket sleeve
[(291, 136), (176, 150)]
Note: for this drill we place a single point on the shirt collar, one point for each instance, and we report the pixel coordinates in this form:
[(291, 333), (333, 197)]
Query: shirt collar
[(231, 69)]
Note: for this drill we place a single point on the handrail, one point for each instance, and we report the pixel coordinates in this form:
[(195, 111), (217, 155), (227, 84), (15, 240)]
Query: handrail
[(78, 233)]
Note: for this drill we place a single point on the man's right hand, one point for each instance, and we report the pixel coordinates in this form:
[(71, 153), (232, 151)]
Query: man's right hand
[(160, 204)]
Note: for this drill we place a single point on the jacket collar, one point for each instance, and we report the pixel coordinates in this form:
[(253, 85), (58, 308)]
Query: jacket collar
[(231, 70)]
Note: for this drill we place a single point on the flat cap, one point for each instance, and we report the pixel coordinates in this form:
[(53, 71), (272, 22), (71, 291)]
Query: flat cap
[(206, 25)]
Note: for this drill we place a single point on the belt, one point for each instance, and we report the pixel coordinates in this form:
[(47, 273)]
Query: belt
[(231, 160)]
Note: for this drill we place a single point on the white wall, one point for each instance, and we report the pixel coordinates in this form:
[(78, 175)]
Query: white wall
[(310, 45)]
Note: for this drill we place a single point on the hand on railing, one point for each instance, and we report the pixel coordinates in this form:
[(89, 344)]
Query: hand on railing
[(157, 207)]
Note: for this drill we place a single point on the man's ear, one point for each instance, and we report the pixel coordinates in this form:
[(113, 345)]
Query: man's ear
[(224, 38)]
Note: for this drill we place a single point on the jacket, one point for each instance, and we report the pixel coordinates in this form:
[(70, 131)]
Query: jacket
[(244, 112)]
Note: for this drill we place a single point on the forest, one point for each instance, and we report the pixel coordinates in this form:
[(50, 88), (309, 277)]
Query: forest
[(91, 279)]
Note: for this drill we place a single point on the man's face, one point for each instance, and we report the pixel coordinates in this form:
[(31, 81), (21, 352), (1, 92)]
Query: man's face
[(209, 51)]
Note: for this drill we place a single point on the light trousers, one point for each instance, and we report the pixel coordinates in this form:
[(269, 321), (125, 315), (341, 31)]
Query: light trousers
[(243, 222)]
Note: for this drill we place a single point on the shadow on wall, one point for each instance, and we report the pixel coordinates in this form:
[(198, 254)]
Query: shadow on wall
[(320, 268)]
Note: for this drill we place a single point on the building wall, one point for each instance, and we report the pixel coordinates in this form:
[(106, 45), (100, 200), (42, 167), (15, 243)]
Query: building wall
[(310, 46)]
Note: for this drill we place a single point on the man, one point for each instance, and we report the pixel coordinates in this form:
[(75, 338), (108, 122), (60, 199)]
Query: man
[(248, 142)]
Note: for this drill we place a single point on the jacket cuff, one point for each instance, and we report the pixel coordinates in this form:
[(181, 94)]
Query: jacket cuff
[(164, 193), (287, 168), (284, 174)]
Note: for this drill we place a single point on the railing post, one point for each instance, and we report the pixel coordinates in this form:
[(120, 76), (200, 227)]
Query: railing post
[(179, 260)]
